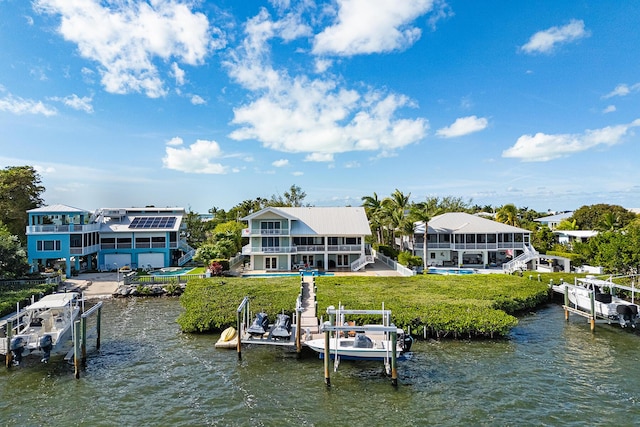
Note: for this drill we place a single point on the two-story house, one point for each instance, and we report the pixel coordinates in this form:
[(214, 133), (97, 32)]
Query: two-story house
[(286, 238), (458, 238), (106, 239)]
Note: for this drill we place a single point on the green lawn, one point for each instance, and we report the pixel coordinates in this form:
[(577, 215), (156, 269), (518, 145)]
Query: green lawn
[(481, 305)]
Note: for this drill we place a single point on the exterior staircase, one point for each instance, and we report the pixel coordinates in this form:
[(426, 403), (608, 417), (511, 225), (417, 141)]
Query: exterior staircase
[(361, 262), (520, 262), (189, 252)]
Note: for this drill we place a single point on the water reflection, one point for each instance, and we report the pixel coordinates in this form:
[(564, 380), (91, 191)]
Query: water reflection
[(548, 372)]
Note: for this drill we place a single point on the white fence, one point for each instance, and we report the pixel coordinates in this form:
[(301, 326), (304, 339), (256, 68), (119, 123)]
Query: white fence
[(393, 264)]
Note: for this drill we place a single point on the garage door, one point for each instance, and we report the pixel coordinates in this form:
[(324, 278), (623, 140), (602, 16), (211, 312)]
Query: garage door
[(119, 260), (155, 260)]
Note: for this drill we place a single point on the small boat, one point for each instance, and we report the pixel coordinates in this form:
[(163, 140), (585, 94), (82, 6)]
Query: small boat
[(228, 338), (260, 325), (606, 305), (362, 346), (44, 327), (282, 328)]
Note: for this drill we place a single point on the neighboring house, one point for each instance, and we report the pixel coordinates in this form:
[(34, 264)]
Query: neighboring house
[(284, 238), (458, 239), (105, 240), (567, 237), (552, 221)]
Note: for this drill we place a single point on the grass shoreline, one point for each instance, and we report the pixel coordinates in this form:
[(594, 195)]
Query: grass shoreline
[(472, 306)]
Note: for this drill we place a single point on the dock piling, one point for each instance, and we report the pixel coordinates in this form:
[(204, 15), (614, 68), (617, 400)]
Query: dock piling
[(327, 356), (9, 331)]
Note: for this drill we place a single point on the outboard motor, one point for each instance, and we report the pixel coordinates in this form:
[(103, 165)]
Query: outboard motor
[(282, 328), (634, 311), (260, 325), (17, 347), (46, 344), (407, 342), (626, 315)]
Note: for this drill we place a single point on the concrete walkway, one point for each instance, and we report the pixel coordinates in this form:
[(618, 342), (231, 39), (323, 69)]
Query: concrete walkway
[(93, 285)]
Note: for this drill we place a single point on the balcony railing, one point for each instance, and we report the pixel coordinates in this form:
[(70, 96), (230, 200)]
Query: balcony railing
[(344, 248), (310, 248), (471, 246), (84, 251), (66, 228), (247, 232), (247, 250)]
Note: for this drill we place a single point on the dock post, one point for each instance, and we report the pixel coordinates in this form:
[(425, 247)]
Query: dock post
[(98, 320), (83, 339), (592, 319), (298, 330), (394, 354), (76, 348), (566, 303), (327, 356), (8, 356), (239, 325)]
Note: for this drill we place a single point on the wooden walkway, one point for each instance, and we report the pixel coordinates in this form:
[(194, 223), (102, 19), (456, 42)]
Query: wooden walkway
[(309, 318)]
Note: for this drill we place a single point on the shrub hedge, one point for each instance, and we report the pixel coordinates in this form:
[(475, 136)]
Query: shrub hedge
[(480, 305)]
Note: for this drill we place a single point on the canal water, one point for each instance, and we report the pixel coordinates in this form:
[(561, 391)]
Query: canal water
[(147, 373)]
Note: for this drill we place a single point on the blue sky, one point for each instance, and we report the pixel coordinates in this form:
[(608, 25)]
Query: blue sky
[(207, 103)]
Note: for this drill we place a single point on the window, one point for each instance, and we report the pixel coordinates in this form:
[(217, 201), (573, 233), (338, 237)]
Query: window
[(143, 242), (124, 242), (270, 242), (343, 260), (158, 242), (351, 241), (75, 240), (48, 245), (333, 240)]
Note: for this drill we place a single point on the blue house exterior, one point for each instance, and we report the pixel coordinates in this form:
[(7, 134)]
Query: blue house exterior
[(106, 239)]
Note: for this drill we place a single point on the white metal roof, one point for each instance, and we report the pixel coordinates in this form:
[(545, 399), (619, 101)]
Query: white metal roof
[(310, 221), (58, 208), (576, 233), (460, 223), (554, 218)]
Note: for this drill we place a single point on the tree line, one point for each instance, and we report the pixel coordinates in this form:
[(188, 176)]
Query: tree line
[(616, 247)]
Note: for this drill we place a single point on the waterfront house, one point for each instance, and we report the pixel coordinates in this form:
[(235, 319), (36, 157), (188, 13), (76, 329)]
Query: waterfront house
[(106, 239), (457, 239), (289, 238), (552, 221)]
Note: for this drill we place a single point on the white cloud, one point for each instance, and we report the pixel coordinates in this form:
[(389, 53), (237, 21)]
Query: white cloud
[(545, 41), (319, 157), (177, 73), (77, 103), (297, 173), (543, 147), (175, 141), (351, 165), (196, 158), (17, 105), (463, 126), (609, 109), (303, 115), (322, 65), (125, 38), (280, 163), (197, 100), (623, 90), (371, 26)]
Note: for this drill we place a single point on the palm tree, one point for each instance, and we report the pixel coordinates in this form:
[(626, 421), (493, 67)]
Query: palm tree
[(423, 212), (373, 207), (609, 222), (395, 208), (407, 228), (508, 214)]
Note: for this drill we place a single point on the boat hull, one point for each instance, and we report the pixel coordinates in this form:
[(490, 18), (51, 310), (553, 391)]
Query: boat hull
[(345, 349)]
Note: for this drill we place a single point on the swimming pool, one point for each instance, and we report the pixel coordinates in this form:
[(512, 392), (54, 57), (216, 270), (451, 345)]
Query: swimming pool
[(450, 271), (306, 273), (171, 271)]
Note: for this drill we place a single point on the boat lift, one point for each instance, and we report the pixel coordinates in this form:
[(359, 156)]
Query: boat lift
[(592, 316), (337, 325)]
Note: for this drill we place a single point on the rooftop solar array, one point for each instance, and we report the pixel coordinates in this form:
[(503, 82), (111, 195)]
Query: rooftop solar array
[(153, 222)]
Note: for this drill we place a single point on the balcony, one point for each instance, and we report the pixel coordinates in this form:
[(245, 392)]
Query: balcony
[(344, 248), (257, 250), (310, 248), (248, 232), (66, 228), (84, 251)]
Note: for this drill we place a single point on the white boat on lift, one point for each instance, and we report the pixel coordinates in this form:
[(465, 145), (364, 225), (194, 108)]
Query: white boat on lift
[(42, 328), (366, 342), (605, 304)]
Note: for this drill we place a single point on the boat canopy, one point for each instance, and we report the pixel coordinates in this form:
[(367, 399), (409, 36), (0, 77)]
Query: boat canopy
[(54, 301)]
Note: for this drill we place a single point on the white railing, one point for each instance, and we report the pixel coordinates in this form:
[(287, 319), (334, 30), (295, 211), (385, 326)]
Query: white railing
[(361, 262), (248, 249), (344, 248), (186, 257), (265, 232), (66, 228), (310, 248), (394, 265), (520, 262)]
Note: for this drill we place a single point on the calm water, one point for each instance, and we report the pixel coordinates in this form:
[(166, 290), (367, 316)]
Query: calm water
[(148, 373)]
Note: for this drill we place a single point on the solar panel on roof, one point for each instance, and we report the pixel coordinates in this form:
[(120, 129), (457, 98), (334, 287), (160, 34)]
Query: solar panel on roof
[(153, 222)]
